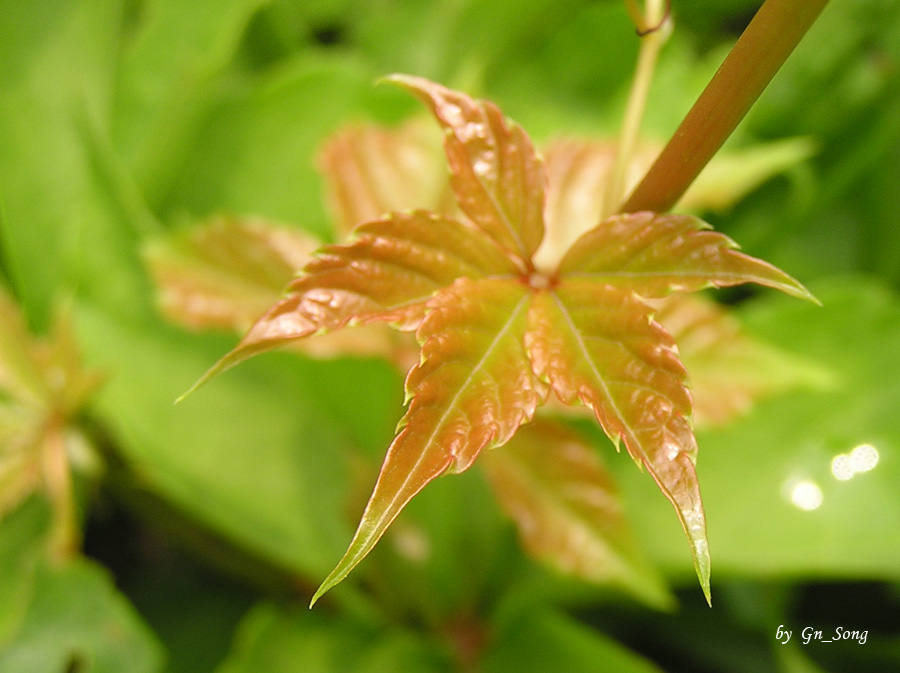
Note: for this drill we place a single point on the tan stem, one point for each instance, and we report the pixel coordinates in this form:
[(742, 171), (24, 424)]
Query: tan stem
[(747, 70), (653, 27)]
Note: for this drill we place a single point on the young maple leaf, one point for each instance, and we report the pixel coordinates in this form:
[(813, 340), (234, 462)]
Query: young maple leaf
[(497, 333)]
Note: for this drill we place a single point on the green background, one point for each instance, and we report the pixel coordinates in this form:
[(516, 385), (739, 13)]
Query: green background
[(216, 518)]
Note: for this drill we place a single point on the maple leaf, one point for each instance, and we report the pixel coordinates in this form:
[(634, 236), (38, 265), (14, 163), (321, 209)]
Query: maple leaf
[(497, 333)]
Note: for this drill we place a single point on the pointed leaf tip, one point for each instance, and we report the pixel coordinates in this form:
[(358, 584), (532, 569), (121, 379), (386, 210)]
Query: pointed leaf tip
[(497, 177), (655, 255), (598, 345), (472, 389)]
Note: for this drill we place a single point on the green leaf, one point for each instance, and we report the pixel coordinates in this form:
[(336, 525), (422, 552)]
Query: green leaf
[(597, 345), (57, 78), (568, 511), (170, 55), (21, 377), (275, 427), (253, 149), (23, 534), (386, 273), (76, 619), (657, 254), (495, 173), (731, 175), (275, 640), (473, 388), (541, 639)]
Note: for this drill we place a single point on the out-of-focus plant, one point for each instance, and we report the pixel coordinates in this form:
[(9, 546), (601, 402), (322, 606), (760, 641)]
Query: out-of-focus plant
[(43, 388)]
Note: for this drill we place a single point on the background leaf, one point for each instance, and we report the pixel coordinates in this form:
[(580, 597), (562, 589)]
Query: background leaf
[(225, 273), (55, 616), (537, 640), (286, 443), (76, 618), (276, 639), (372, 171), (728, 370), (53, 85), (567, 509)]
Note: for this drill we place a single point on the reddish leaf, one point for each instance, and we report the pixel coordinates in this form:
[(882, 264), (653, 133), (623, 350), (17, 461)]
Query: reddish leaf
[(495, 173), (224, 273), (386, 273), (473, 389), (371, 171), (655, 255), (42, 387), (568, 510), (728, 369), (491, 342), (598, 345), (577, 174)]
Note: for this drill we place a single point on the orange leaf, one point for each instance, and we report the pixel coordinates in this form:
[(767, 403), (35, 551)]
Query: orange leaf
[(385, 274), (495, 173), (568, 510), (598, 345), (473, 388), (655, 255), (371, 171)]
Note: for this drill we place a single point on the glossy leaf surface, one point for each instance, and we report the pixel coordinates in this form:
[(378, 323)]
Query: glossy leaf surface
[(598, 346), (472, 390), (654, 255), (567, 509), (385, 274), (495, 173)]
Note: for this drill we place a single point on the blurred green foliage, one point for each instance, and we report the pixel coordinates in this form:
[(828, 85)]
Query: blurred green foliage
[(121, 119)]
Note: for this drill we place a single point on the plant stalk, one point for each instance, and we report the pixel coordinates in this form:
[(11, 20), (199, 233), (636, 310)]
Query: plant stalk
[(747, 70), (64, 536), (653, 28)]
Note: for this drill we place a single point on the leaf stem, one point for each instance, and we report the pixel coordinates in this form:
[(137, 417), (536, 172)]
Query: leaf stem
[(653, 28), (747, 70), (64, 537)]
